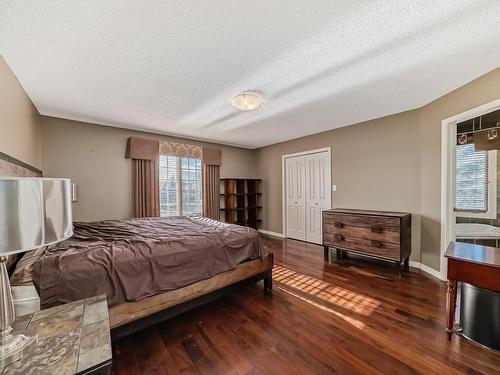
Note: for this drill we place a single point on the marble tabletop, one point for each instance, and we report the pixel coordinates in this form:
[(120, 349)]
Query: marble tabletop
[(72, 339)]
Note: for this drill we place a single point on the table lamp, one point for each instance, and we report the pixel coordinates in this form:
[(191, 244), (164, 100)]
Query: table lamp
[(34, 212)]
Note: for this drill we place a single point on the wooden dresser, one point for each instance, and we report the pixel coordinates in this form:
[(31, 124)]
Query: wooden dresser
[(385, 235)]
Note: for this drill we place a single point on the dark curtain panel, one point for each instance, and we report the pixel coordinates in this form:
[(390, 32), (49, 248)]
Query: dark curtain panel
[(211, 191), (145, 188), (145, 180)]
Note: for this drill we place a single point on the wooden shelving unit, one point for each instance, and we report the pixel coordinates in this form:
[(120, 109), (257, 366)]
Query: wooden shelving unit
[(240, 201)]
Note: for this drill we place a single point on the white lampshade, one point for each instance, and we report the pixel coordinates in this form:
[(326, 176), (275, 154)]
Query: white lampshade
[(34, 212)]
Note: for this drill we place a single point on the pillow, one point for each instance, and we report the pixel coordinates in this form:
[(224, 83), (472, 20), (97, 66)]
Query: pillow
[(23, 273)]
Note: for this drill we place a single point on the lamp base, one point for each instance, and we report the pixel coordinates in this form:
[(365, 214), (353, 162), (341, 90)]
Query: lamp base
[(13, 347)]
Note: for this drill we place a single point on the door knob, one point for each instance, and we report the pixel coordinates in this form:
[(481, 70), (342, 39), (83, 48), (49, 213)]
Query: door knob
[(316, 203)]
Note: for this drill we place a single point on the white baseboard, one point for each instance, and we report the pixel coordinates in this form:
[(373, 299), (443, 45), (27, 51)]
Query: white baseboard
[(426, 269), (270, 233)]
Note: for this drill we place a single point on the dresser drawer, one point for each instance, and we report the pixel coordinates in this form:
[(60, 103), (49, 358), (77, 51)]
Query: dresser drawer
[(384, 229), (372, 247), (375, 224)]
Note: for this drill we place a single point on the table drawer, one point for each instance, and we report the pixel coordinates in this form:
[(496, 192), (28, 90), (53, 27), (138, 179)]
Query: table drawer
[(372, 247)]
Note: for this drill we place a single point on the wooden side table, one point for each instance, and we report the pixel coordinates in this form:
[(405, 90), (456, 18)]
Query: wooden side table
[(72, 339), (473, 264)]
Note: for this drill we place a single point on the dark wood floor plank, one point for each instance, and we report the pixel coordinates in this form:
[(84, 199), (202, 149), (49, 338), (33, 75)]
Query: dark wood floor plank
[(347, 317)]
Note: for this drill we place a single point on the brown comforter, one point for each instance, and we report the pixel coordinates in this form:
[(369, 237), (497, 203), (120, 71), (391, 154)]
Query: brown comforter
[(133, 259)]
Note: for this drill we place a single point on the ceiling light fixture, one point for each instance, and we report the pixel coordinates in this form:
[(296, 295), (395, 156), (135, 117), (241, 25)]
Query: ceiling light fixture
[(247, 101)]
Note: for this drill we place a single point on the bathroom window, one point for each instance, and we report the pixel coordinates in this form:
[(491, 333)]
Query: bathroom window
[(475, 182)]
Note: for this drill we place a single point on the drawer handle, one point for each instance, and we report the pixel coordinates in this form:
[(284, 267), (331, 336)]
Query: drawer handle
[(338, 225), (376, 243), (377, 229), (339, 237)]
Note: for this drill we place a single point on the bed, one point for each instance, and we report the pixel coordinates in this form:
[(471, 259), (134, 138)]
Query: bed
[(150, 269)]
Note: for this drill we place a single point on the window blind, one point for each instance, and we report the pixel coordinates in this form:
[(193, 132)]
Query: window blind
[(180, 185), (191, 186), (471, 179), (168, 185)]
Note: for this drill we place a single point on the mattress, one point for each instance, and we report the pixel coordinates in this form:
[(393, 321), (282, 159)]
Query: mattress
[(132, 259)]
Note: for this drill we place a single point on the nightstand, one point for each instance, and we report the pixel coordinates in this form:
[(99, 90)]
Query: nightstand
[(72, 339)]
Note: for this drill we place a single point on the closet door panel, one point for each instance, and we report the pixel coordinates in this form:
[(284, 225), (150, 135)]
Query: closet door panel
[(295, 198), (318, 196)]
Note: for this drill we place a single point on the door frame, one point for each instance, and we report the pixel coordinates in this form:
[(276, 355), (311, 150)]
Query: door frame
[(448, 139), (283, 179)]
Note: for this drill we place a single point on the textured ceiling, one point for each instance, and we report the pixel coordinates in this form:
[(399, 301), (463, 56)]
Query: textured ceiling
[(173, 66)]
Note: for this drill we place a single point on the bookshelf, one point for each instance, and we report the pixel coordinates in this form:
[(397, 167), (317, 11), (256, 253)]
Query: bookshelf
[(240, 201)]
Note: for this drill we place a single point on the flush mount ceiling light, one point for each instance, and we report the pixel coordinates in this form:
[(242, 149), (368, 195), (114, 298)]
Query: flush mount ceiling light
[(247, 101)]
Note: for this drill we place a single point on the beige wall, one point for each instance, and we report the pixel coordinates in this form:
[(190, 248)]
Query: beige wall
[(93, 156), (392, 163), (375, 165), (19, 130), (478, 92)]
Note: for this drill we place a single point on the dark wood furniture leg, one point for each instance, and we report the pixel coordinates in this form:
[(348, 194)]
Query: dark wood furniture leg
[(407, 264), (326, 250), (399, 267), (339, 254), (451, 300), (268, 283)]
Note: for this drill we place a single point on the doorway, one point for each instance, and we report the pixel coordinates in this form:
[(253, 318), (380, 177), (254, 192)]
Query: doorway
[(448, 175), (306, 193)]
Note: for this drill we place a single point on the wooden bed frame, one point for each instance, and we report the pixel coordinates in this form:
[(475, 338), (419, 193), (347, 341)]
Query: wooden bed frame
[(131, 317)]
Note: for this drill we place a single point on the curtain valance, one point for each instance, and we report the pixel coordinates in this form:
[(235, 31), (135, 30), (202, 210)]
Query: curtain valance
[(142, 148), (211, 155), (180, 149)]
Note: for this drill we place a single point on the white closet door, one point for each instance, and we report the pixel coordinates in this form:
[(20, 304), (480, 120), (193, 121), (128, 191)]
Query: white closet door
[(295, 198), (318, 195)]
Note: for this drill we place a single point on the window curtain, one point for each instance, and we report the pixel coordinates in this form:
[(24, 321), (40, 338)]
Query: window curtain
[(144, 153), (211, 158)]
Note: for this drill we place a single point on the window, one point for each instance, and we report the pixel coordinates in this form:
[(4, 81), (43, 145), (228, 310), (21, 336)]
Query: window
[(180, 186), (191, 186), (475, 182)]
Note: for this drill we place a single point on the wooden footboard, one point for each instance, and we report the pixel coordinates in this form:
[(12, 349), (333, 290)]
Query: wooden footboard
[(129, 317)]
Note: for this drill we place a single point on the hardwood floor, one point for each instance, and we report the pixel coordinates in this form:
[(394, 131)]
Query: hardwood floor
[(351, 317)]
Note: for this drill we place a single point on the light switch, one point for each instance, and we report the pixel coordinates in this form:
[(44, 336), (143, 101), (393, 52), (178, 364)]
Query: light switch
[(334, 187)]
